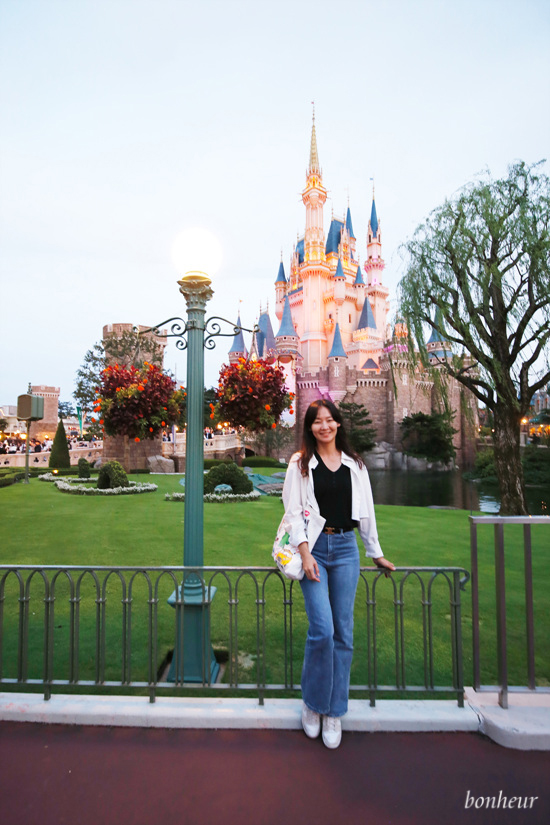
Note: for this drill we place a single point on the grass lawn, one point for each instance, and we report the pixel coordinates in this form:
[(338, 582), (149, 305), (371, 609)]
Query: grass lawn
[(40, 525)]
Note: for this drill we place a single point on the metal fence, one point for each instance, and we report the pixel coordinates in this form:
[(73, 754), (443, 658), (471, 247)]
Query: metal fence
[(104, 629), (520, 567)]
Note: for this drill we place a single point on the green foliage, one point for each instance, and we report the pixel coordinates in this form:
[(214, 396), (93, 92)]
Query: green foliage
[(83, 468), (356, 421), (429, 436), (3, 425), (112, 474), (263, 461), (272, 441), (484, 465), (227, 474), (536, 465), (479, 275), (59, 456), (65, 409)]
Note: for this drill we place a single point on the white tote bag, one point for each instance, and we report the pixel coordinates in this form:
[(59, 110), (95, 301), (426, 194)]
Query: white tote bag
[(286, 555)]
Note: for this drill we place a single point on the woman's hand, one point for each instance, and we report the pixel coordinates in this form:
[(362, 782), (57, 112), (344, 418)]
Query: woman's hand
[(309, 564), (384, 565)]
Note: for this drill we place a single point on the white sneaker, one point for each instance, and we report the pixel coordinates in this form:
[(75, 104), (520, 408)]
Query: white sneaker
[(311, 722), (332, 731)]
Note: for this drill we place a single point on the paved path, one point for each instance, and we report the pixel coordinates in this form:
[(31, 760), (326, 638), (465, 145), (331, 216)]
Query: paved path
[(54, 774)]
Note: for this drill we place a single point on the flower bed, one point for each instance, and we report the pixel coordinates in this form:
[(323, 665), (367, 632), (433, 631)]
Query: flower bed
[(53, 477), (80, 490), (210, 498)]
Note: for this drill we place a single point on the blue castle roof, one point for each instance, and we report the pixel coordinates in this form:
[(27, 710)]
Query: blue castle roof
[(337, 350), (287, 327), (238, 341), (281, 274), (370, 365), (367, 318), (374, 219), (300, 250), (359, 277), (333, 237), (265, 338), (339, 271), (349, 226)]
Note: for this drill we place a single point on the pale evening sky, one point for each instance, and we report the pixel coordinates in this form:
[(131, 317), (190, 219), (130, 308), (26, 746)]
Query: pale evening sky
[(124, 122)]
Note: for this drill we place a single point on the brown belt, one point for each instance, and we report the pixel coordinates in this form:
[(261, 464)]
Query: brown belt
[(334, 530)]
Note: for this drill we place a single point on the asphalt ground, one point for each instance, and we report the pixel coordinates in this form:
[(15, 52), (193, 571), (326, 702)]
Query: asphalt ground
[(54, 774)]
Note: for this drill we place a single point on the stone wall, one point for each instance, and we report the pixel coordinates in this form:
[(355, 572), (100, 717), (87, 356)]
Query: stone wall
[(131, 454), (48, 425)]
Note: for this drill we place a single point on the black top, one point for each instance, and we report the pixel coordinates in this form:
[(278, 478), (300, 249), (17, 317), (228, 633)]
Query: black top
[(333, 494)]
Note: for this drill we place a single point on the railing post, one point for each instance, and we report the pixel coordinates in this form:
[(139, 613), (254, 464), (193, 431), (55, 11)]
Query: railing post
[(502, 661), (529, 617), (475, 604)]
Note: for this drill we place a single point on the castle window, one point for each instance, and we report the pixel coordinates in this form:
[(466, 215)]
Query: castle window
[(405, 379), (349, 316)]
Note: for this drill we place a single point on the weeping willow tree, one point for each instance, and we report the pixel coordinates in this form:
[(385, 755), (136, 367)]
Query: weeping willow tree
[(478, 274)]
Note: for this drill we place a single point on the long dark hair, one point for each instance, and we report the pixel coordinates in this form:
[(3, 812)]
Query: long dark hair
[(309, 443)]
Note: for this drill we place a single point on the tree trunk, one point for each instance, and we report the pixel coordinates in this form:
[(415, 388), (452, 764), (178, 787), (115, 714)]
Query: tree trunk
[(508, 461)]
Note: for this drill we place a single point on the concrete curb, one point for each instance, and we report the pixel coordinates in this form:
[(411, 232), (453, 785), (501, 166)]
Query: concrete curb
[(281, 714), (524, 727)]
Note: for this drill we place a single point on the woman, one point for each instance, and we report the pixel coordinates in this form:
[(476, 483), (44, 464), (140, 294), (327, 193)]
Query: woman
[(326, 495)]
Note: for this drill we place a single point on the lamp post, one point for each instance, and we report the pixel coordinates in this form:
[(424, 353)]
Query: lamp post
[(194, 659)]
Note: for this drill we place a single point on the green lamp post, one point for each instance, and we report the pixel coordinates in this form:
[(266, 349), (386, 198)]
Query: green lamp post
[(194, 659)]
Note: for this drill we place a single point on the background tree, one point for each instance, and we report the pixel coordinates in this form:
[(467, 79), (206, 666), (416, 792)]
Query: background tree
[(356, 420), (131, 349), (270, 442), (3, 425), (65, 409), (430, 436), (482, 259), (59, 455)]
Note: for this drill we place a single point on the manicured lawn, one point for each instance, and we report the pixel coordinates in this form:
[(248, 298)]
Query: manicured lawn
[(40, 525)]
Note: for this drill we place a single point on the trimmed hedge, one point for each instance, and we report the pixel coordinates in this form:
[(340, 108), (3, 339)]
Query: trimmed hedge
[(227, 474), (215, 462), (112, 475), (83, 468)]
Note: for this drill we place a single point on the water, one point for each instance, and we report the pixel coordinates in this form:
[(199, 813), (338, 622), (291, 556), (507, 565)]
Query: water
[(447, 490)]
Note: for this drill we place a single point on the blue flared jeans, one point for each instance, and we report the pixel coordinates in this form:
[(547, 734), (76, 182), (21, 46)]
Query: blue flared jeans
[(329, 606)]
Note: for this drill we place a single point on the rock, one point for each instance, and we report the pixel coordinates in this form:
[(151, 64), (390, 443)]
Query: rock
[(159, 464), (223, 488)]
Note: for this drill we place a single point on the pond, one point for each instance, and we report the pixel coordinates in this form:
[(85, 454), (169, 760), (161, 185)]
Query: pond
[(447, 490)]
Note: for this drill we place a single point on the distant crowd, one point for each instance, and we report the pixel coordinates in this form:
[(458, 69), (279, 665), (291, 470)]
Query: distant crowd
[(11, 446)]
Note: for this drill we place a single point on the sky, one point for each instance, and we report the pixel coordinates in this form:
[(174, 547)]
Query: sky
[(125, 122)]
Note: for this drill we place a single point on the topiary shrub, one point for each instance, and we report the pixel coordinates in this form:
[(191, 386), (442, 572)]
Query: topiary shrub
[(112, 474), (83, 468), (227, 474), (59, 456)]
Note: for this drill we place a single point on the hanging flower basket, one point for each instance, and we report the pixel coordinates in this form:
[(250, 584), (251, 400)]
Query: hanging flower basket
[(138, 403), (251, 394)]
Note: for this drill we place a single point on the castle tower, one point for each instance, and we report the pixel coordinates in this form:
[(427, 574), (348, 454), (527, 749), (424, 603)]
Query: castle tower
[(314, 271), (280, 292), (337, 367), (377, 293)]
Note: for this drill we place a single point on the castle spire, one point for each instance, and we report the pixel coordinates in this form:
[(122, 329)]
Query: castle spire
[(314, 165)]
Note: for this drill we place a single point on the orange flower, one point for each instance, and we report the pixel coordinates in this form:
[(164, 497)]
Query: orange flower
[(211, 415), (136, 439), (101, 421), (291, 411), (163, 423), (267, 407), (273, 426), (150, 429)]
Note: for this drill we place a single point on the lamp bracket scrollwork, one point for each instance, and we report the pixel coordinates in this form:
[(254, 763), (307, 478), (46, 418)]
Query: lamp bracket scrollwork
[(212, 329)]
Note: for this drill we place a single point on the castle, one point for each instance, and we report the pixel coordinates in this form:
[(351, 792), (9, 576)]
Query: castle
[(334, 338)]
